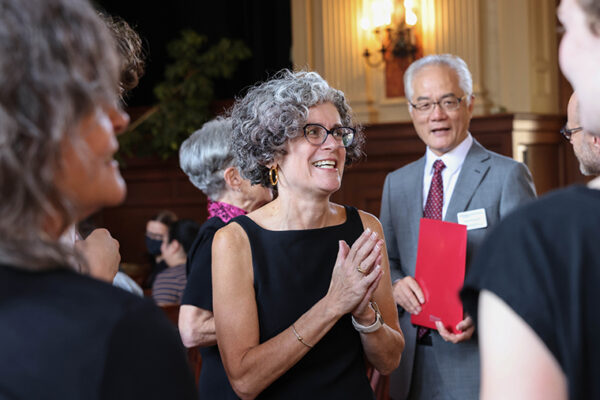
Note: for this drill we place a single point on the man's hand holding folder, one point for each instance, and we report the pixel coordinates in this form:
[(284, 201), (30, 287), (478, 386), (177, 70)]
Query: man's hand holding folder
[(466, 328), (408, 294), (439, 275)]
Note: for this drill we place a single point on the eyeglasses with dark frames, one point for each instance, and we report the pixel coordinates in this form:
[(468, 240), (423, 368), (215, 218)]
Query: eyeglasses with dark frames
[(317, 134), (447, 103), (567, 133)]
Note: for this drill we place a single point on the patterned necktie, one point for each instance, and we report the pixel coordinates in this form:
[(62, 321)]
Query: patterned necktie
[(433, 210), (435, 197)]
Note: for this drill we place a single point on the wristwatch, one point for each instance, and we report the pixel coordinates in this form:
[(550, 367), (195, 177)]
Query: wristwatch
[(374, 326)]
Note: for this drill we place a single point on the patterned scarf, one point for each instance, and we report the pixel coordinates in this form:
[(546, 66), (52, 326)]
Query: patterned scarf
[(223, 210)]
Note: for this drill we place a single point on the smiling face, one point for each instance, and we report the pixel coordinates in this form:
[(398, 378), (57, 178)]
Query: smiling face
[(314, 169), (440, 130), (89, 176), (579, 56)]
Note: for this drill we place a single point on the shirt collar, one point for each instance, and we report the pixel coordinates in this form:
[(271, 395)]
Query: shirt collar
[(594, 183), (223, 210), (452, 159)]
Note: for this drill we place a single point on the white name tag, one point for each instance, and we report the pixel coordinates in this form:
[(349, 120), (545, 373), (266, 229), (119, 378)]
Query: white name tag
[(474, 219)]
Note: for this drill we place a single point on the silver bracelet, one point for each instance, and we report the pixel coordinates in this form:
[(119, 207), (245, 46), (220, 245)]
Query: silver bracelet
[(374, 326)]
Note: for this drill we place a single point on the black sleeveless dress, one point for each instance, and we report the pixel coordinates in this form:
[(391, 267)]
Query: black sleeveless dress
[(292, 271)]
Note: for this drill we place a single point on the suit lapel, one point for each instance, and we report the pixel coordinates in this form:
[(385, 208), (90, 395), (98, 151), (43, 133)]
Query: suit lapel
[(471, 174), (413, 200)]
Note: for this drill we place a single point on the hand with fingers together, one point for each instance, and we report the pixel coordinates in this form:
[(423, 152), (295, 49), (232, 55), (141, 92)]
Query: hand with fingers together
[(408, 294), (465, 327), (356, 274)]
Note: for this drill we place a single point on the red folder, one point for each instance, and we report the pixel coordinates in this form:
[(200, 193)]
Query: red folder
[(440, 271)]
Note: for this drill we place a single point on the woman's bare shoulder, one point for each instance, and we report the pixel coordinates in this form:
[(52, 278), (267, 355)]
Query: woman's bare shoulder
[(370, 221), (231, 236)]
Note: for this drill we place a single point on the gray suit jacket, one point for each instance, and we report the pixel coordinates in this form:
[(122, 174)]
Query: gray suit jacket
[(486, 180)]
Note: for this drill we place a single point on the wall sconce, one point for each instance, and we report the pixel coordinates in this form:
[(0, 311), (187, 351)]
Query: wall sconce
[(397, 41)]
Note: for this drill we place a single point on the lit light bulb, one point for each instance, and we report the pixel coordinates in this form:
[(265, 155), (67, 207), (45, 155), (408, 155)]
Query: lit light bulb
[(365, 24), (381, 11), (410, 16)]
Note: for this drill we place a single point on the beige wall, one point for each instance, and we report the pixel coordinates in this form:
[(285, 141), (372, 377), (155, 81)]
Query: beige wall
[(509, 45)]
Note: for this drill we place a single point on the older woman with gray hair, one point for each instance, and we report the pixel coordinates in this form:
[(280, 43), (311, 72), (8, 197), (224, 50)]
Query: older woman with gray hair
[(59, 115), (301, 286), (207, 159)]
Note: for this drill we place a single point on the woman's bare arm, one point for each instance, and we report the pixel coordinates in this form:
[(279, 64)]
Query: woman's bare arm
[(511, 352), (196, 326)]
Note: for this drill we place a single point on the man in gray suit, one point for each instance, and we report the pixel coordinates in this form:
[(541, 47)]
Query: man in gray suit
[(439, 364)]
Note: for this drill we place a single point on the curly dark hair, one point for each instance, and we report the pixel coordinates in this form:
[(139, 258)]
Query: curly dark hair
[(129, 47), (273, 112)]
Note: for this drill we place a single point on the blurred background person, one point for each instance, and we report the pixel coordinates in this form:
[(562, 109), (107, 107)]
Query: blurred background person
[(169, 284), (58, 117), (301, 286), (207, 160), (157, 228), (586, 145)]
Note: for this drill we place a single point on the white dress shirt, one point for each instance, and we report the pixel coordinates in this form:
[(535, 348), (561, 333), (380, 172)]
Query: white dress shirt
[(453, 160)]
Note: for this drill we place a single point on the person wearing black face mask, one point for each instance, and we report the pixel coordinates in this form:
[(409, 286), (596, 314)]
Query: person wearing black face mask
[(152, 245), (156, 228)]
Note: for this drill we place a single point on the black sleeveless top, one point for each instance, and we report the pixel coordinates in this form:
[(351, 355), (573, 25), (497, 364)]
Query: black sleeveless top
[(212, 383), (292, 271)]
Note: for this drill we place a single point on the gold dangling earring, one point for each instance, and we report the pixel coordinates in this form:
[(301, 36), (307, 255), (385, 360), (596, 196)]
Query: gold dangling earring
[(273, 180)]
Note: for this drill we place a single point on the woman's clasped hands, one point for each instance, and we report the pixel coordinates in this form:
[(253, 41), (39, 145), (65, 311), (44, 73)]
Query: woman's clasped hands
[(356, 275)]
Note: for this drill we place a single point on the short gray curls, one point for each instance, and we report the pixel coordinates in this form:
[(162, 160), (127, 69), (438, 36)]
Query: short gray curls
[(275, 111), (206, 154), (457, 64)]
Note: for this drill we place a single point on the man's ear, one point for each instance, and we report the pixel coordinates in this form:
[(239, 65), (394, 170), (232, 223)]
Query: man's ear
[(232, 178), (471, 105)]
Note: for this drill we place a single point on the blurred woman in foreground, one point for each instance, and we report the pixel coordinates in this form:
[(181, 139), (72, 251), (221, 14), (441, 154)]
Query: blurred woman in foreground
[(59, 76)]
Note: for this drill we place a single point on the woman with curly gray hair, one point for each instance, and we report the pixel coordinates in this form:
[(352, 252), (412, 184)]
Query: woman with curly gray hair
[(301, 286), (59, 115), (207, 160)]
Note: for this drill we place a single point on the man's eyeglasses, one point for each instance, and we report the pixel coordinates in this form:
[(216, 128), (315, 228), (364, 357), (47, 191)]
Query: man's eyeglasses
[(567, 133), (448, 103), (317, 134)]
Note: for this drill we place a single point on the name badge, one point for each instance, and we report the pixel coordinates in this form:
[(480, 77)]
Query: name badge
[(474, 219)]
